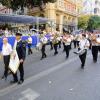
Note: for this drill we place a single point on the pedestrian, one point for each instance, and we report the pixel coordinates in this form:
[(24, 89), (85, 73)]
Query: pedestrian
[(67, 42), (51, 38), (6, 51), (83, 46), (29, 45), (20, 49)]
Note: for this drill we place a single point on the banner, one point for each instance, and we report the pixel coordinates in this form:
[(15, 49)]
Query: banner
[(14, 62)]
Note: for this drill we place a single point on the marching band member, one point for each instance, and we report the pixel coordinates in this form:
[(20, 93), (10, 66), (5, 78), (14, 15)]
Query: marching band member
[(78, 39), (98, 39), (55, 42), (43, 41), (6, 51), (51, 38), (64, 34), (67, 42), (94, 48), (75, 41), (21, 51), (59, 39), (29, 45), (83, 45)]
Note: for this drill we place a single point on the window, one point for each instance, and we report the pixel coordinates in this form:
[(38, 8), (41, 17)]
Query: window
[(96, 10)]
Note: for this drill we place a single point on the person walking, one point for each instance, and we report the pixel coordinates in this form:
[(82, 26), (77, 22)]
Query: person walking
[(29, 45), (94, 48), (67, 42), (43, 41), (55, 42), (21, 51), (83, 46), (6, 51)]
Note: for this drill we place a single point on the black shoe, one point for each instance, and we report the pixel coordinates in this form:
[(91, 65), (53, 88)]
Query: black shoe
[(42, 58), (3, 77), (21, 81), (67, 57), (82, 66), (55, 53), (13, 82), (45, 56), (94, 61)]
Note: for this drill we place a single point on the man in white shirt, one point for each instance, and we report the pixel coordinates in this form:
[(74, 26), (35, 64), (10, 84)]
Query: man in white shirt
[(43, 41), (83, 45), (29, 45), (67, 42), (6, 51)]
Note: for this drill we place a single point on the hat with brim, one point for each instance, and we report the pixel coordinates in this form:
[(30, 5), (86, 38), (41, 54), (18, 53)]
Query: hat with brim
[(84, 35), (18, 34)]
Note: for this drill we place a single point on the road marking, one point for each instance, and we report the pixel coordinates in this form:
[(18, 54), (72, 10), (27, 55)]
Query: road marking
[(29, 94), (37, 77)]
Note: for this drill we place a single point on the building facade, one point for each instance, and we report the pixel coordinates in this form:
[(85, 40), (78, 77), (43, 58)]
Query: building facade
[(5, 10), (91, 7), (63, 13)]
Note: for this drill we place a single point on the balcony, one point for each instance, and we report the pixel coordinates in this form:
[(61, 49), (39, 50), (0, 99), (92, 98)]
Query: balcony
[(67, 7)]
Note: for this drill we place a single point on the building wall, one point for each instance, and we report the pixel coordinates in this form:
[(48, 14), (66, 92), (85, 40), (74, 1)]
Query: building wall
[(91, 7), (5, 10), (63, 13)]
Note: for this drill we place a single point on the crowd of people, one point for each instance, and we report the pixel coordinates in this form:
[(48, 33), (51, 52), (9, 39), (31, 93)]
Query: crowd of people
[(80, 42)]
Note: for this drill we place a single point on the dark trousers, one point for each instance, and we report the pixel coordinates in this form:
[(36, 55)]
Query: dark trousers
[(83, 58), (64, 46), (75, 43), (95, 53), (51, 46), (59, 44), (43, 51), (6, 64), (67, 49), (21, 70), (55, 48), (29, 49), (99, 48)]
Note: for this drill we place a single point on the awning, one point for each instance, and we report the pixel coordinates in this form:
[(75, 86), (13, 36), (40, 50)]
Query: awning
[(21, 19)]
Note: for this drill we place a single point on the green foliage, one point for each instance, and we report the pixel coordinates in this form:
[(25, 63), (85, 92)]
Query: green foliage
[(83, 21), (89, 22), (16, 4), (94, 23)]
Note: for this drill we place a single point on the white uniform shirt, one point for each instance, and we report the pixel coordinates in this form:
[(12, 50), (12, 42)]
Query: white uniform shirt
[(83, 43), (98, 40), (44, 40), (30, 40), (6, 49)]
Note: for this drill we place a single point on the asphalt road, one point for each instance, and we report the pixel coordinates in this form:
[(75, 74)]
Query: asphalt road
[(54, 78)]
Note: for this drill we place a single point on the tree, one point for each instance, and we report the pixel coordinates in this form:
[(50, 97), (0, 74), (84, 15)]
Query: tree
[(16, 4), (93, 23), (83, 22)]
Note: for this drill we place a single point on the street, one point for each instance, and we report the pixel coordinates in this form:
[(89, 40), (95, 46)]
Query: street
[(54, 78)]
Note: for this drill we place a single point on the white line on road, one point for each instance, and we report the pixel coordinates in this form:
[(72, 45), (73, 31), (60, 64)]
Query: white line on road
[(36, 77), (29, 94)]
